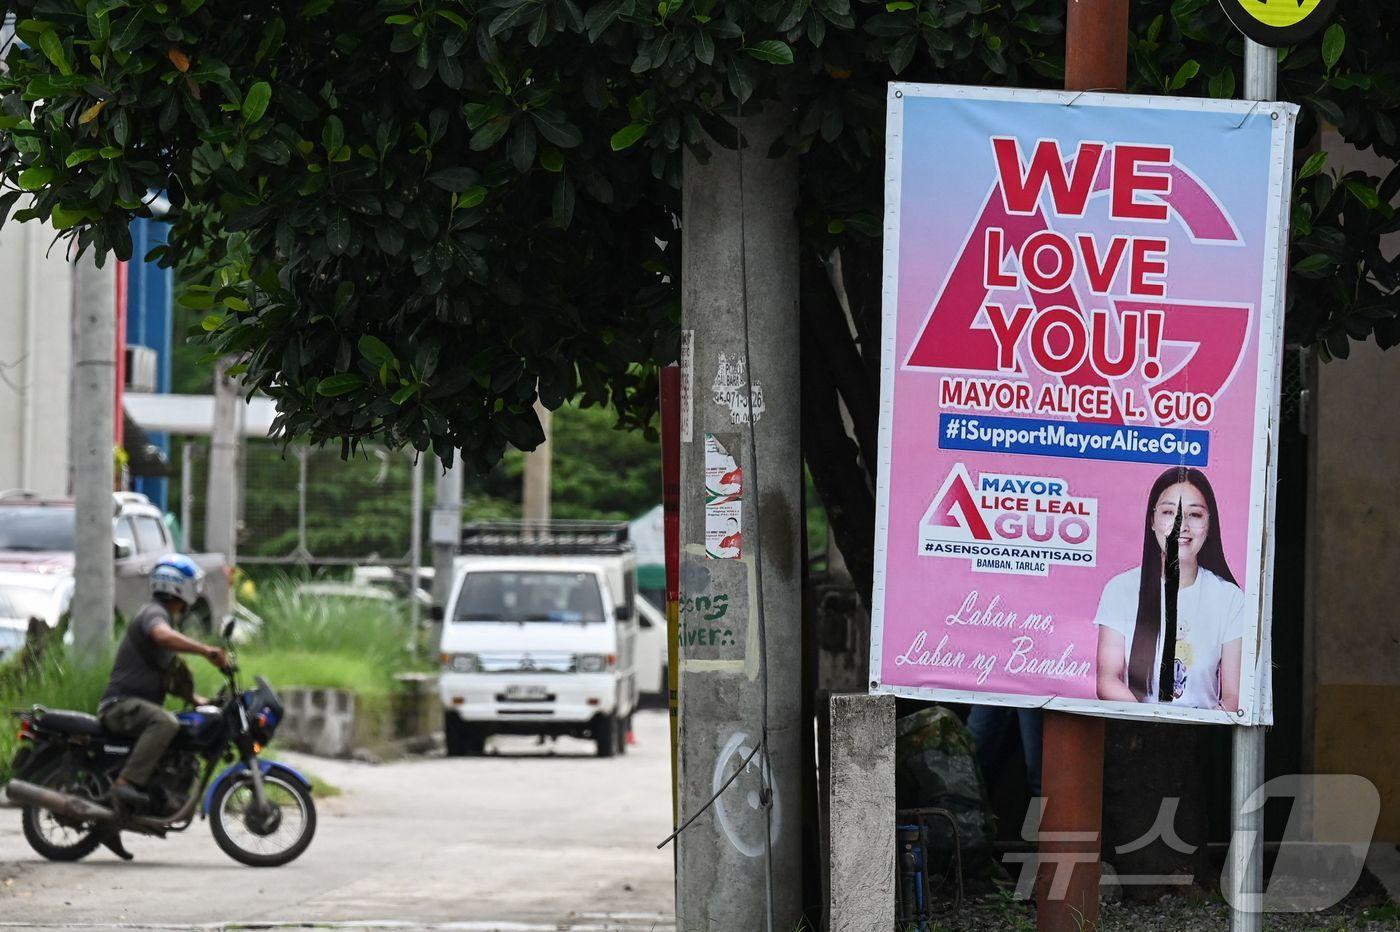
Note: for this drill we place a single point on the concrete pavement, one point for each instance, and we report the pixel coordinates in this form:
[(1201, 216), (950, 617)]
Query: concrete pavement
[(519, 840)]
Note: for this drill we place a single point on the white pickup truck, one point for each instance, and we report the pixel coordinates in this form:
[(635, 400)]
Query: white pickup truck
[(539, 635), (36, 536)]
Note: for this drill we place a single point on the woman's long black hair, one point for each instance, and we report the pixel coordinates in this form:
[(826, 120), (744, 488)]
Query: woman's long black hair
[(1143, 653)]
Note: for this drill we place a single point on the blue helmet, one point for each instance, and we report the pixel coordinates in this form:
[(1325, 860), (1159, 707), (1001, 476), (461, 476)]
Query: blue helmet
[(176, 576)]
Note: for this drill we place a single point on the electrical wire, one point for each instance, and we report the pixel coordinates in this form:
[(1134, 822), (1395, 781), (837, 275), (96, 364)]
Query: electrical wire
[(749, 480), (764, 770)]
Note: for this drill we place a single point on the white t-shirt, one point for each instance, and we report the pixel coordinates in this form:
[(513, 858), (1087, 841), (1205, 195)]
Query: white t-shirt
[(1210, 613)]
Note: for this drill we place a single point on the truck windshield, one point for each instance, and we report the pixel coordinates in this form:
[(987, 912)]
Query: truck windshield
[(36, 529), (529, 596)]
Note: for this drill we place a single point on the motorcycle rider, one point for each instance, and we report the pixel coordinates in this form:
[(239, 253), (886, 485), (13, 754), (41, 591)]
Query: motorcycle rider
[(133, 703)]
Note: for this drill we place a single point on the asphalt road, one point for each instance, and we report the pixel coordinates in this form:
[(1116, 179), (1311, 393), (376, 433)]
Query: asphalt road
[(525, 838)]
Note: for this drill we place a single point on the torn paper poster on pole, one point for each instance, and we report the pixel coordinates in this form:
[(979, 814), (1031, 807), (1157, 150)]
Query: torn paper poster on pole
[(1082, 334), (724, 502)]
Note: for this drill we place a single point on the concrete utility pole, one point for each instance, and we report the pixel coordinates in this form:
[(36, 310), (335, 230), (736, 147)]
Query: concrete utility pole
[(92, 431), (1245, 871), (739, 863), (1071, 825), (221, 502), (535, 497), (445, 531)]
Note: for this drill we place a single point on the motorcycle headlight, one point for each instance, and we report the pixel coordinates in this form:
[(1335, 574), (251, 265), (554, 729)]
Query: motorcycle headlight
[(461, 663), (591, 663)]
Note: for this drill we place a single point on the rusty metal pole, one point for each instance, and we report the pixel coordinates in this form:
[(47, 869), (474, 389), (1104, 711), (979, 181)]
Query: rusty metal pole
[(1071, 825)]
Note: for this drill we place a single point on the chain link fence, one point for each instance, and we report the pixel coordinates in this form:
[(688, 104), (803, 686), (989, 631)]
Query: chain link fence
[(301, 505)]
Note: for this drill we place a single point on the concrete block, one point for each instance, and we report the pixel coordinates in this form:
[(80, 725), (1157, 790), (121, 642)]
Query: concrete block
[(861, 876)]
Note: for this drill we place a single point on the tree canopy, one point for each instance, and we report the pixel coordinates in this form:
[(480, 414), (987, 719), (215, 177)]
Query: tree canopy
[(408, 216)]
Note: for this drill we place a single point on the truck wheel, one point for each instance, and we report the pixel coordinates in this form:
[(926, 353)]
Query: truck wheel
[(624, 727), (605, 735), (462, 739)]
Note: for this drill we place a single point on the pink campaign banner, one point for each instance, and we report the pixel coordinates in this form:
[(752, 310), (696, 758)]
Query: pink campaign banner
[(1081, 352)]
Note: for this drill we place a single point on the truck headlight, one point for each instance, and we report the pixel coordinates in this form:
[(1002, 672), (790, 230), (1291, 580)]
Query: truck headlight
[(461, 663), (592, 663)]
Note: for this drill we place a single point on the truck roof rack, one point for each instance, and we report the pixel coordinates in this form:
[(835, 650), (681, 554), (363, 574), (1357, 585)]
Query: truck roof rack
[(545, 537)]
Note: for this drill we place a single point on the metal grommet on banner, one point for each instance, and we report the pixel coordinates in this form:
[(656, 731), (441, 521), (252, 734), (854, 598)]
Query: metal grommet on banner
[(898, 94)]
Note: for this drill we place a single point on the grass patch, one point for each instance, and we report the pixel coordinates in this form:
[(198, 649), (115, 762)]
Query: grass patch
[(324, 642), (320, 788), (57, 682)]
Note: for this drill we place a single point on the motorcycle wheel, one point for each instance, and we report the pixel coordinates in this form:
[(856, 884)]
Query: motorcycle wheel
[(262, 839), (53, 836)]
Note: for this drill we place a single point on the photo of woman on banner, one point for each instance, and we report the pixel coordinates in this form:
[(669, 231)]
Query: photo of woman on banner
[(1210, 606)]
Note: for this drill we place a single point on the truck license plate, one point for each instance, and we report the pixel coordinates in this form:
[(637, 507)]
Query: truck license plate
[(532, 693)]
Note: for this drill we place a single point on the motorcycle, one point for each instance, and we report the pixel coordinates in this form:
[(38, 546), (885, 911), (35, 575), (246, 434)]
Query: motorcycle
[(260, 812)]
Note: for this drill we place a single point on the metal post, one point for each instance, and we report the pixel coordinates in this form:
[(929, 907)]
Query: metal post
[(535, 490), (1071, 825), (92, 431), (303, 552), (415, 550), (1245, 870), (446, 533), (739, 863), (186, 494), (221, 500)]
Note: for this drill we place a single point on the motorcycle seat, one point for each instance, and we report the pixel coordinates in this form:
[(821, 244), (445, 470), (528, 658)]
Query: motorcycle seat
[(70, 723)]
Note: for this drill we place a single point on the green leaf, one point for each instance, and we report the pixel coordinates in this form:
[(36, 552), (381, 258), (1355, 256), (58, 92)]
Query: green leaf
[(562, 204), (65, 219), (551, 160), (628, 136), (1185, 73), (1312, 265), (79, 156), (1313, 165), (556, 128), (235, 370), (489, 134), (272, 37), (339, 384), (333, 134), (472, 197), (1333, 42), (52, 47), (455, 180), (1364, 193), (256, 101), (404, 393), (375, 350), (35, 177), (338, 234), (212, 322), (773, 51)]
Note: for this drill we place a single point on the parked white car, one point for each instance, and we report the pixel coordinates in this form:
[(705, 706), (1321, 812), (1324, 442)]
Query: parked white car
[(23, 596), (652, 659), (540, 636)]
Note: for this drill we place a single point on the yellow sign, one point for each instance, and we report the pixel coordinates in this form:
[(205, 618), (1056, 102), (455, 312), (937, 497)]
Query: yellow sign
[(1278, 22)]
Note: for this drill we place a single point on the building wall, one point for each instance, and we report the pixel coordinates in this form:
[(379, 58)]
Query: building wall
[(36, 291), (1354, 629)]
